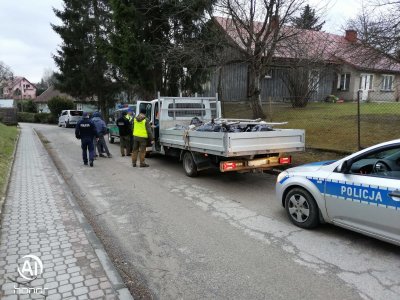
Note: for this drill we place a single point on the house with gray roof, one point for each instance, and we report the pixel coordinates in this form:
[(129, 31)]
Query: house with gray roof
[(42, 100), (339, 65)]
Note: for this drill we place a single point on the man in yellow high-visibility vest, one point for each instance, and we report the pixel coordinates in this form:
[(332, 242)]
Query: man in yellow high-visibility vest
[(141, 134)]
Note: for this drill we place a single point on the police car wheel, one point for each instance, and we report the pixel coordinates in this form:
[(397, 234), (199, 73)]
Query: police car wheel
[(189, 165), (302, 208)]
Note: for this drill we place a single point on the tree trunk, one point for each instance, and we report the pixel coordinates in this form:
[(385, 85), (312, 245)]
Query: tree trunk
[(254, 92)]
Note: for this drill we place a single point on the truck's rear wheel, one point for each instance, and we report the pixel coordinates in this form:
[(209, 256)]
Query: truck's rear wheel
[(189, 165)]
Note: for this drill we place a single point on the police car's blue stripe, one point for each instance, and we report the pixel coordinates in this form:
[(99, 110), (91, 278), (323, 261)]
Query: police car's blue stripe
[(319, 183), (365, 194), (284, 179)]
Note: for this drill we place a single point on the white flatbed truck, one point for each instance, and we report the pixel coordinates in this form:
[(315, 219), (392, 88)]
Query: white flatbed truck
[(227, 151)]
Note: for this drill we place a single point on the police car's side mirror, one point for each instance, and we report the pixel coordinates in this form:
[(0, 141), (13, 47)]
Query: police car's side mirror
[(343, 167)]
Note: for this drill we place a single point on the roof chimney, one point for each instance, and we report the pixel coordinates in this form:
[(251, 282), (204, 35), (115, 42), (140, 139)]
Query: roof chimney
[(351, 35)]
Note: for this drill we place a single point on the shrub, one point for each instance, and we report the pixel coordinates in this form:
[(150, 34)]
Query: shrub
[(42, 117), (26, 117), (57, 104), (26, 106)]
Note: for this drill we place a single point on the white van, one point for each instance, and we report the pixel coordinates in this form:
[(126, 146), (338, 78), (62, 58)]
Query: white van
[(69, 118)]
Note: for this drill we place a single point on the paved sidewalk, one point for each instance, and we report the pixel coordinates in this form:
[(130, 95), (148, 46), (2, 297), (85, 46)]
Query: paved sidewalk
[(41, 219)]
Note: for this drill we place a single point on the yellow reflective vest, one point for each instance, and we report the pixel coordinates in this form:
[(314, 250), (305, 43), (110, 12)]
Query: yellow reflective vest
[(139, 128), (129, 117)]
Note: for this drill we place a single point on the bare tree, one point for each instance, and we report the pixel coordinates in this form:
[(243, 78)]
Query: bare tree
[(378, 25), (308, 58), (6, 74), (48, 78), (256, 26)]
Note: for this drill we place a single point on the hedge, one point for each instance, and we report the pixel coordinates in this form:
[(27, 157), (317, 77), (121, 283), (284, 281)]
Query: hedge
[(26, 117), (36, 118), (45, 118)]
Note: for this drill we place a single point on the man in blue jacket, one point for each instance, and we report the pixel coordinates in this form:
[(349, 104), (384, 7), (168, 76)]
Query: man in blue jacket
[(86, 132), (101, 129)]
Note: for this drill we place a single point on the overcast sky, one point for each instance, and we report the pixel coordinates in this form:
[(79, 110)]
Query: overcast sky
[(27, 41)]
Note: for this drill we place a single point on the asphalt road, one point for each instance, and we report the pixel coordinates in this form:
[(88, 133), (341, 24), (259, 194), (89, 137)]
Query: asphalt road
[(218, 236)]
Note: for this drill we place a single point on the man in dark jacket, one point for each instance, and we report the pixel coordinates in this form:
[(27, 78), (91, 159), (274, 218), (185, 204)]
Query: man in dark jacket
[(86, 132), (101, 129), (125, 129), (141, 134), (129, 116)]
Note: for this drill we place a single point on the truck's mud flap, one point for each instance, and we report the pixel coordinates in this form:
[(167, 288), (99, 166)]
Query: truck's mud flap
[(202, 162)]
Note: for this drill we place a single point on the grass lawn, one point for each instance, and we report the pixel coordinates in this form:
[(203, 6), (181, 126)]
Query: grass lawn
[(332, 126), (8, 136)]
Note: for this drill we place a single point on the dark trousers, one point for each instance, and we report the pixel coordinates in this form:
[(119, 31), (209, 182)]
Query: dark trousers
[(96, 147), (87, 145), (139, 147), (131, 144), (124, 142), (101, 145)]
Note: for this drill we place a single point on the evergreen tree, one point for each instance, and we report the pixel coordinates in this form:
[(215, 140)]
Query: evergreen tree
[(82, 57), (153, 44), (308, 20)]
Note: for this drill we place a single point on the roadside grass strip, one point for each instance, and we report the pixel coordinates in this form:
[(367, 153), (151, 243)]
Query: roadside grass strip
[(8, 139)]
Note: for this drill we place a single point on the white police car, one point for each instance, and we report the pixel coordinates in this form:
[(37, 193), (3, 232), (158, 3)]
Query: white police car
[(360, 192)]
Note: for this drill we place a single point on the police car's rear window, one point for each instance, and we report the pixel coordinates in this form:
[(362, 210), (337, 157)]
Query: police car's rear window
[(76, 113)]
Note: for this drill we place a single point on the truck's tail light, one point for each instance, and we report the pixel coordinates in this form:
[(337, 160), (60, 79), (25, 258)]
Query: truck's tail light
[(229, 165), (285, 160)]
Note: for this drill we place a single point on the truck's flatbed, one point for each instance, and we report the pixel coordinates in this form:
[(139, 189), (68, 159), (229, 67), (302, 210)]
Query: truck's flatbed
[(235, 144)]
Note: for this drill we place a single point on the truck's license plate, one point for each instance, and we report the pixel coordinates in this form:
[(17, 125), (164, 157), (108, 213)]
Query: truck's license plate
[(257, 162)]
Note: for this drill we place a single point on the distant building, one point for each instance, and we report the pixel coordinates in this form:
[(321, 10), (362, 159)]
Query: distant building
[(341, 65), (42, 100), (19, 88), (7, 103)]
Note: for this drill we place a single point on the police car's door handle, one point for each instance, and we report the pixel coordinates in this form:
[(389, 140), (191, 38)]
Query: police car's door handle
[(395, 194)]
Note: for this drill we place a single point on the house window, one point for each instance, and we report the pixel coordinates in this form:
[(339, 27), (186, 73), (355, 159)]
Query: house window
[(343, 83), (387, 82), (313, 81), (366, 82)]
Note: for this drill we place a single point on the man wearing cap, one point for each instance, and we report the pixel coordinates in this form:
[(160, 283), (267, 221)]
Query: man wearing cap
[(125, 133), (141, 134), (85, 130)]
